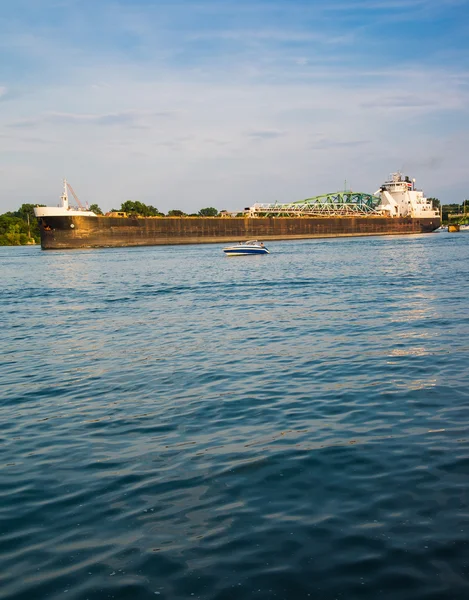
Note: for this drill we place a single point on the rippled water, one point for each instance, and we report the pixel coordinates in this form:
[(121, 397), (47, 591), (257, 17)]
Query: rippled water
[(180, 424)]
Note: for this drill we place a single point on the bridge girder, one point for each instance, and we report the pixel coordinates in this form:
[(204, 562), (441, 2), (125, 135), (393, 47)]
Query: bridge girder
[(344, 203)]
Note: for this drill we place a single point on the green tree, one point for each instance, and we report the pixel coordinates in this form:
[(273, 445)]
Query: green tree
[(31, 228), (176, 213), (95, 208), (13, 231), (450, 209), (140, 209), (435, 202), (208, 212)]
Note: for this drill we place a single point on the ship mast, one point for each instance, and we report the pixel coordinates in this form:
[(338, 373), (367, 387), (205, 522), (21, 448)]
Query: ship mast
[(64, 196)]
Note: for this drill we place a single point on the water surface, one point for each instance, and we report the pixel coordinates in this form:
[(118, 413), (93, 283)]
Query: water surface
[(180, 424)]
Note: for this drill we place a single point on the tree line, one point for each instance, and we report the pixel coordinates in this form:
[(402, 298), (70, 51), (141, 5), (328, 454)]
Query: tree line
[(20, 227), (139, 209)]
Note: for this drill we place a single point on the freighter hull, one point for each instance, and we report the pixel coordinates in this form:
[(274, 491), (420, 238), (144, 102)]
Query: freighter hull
[(62, 232)]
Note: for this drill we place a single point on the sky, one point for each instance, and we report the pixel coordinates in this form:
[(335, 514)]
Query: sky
[(187, 104)]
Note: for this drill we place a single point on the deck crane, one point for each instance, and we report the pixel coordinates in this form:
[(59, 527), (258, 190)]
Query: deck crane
[(81, 207)]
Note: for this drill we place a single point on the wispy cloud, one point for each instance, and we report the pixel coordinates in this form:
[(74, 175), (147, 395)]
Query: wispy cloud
[(266, 134), (130, 118), (406, 101), (275, 36), (332, 144), (393, 5), (7, 94)]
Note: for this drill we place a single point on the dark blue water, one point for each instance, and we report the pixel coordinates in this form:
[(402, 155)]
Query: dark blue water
[(180, 424)]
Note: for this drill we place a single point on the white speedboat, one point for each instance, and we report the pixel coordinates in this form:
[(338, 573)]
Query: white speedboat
[(250, 247)]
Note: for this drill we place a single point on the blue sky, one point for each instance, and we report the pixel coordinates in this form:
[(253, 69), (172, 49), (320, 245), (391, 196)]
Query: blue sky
[(191, 104)]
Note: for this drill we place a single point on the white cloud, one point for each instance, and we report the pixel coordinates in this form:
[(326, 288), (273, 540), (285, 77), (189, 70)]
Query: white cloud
[(126, 118), (3, 91), (271, 35), (266, 134)]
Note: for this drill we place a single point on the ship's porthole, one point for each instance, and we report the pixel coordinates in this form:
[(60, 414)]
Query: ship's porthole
[(72, 225)]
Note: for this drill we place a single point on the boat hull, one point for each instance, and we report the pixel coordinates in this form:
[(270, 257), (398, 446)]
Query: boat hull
[(67, 232), (245, 251)]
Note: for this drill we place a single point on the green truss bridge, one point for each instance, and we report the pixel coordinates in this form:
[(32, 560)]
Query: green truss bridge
[(345, 203)]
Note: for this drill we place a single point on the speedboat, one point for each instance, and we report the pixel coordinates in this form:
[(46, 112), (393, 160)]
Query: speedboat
[(250, 247)]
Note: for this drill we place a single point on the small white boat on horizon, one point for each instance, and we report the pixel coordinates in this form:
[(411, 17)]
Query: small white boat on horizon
[(244, 248)]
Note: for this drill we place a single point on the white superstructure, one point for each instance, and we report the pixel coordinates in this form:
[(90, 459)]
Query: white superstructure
[(399, 198), (64, 209)]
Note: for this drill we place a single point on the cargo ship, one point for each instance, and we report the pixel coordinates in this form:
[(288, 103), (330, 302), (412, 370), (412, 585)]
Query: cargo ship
[(396, 208)]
